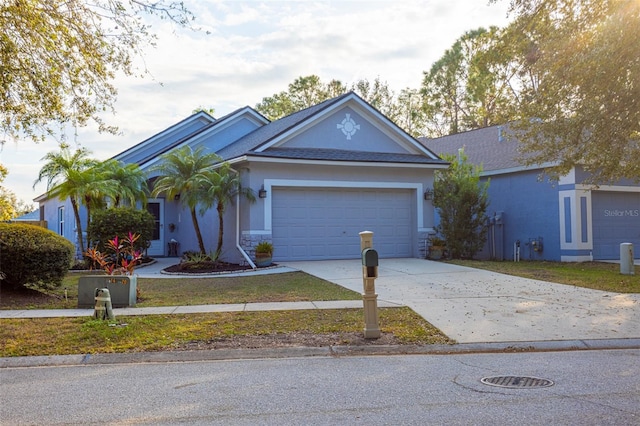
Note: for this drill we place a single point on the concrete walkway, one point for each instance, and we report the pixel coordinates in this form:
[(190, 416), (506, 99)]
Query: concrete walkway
[(473, 306), (468, 305), (191, 309)]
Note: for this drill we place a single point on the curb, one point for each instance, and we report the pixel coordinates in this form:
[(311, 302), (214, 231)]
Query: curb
[(325, 351)]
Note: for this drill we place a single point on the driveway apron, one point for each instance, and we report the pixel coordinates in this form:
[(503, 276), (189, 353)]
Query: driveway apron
[(477, 306)]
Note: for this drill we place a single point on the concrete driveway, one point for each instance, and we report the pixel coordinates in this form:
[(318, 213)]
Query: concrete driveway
[(476, 306)]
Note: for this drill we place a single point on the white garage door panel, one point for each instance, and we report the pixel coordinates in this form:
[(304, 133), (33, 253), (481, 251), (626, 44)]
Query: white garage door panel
[(311, 223)]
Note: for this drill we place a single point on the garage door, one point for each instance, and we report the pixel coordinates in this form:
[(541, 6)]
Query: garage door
[(314, 224), (616, 220)]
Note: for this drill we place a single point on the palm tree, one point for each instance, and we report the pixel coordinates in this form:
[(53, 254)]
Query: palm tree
[(95, 186), (222, 186), (131, 182), (64, 175), (182, 172)]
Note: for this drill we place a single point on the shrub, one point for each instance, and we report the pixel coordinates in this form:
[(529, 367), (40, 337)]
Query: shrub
[(462, 200), (109, 223), (264, 247), (33, 256)]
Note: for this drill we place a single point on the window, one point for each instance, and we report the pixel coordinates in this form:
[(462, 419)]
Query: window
[(61, 220)]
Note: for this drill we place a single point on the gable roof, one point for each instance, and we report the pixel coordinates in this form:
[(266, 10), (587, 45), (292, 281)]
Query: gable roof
[(493, 147), (204, 131), (188, 125), (263, 142)]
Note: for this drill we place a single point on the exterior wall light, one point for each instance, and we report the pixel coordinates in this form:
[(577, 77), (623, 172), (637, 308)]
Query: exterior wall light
[(428, 194), (262, 193)]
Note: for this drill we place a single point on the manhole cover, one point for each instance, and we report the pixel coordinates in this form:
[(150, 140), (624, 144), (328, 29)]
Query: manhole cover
[(517, 382)]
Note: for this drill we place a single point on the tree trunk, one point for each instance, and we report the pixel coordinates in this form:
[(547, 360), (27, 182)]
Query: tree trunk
[(194, 219), (220, 209), (76, 213)]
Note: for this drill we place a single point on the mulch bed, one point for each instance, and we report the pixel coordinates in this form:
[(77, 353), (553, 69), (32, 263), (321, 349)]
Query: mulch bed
[(206, 267)]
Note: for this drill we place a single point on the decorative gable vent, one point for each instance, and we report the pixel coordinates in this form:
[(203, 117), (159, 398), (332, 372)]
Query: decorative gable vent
[(348, 126)]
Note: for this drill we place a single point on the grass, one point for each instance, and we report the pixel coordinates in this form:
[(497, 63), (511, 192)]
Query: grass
[(287, 287), (61, 336), (593, 275)]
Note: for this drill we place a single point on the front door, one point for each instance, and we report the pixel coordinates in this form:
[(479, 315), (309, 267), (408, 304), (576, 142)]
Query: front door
[(155, 206)]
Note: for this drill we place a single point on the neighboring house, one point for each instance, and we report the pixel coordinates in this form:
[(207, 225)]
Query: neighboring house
[(323, 175), (562, 221), (31, 218)]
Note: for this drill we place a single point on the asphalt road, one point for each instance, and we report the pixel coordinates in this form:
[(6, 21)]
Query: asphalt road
[(589, 388)]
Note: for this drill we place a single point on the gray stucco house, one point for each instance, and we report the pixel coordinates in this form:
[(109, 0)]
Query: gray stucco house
[(323, 174), (561, 221)]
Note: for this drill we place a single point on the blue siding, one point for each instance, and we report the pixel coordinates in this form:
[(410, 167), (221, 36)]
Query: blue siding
[(531, 212)]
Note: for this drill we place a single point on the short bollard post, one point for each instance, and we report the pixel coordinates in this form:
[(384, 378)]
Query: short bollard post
[(626, 259), (369, 275), (103, 309)]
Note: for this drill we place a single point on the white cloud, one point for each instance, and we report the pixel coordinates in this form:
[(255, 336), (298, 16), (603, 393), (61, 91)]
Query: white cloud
[(255, 49)]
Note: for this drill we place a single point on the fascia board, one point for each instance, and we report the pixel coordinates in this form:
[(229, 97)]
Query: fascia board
[(260, 159)]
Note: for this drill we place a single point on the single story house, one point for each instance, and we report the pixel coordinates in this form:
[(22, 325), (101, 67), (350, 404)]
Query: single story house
[(541, 219), (324, 174)]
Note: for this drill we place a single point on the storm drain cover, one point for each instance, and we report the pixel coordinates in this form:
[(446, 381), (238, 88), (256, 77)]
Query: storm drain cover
[(516, 382)]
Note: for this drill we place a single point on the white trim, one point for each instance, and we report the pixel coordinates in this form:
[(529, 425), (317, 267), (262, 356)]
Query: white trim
[(576, 220), (495, 172), (569, 178), (609, 188), (256, 232), (158, 249), (258, 159), (576, 258), (269, 184)]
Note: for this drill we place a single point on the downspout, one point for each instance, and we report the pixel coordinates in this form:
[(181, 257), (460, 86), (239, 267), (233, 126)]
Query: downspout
[(238, 246)]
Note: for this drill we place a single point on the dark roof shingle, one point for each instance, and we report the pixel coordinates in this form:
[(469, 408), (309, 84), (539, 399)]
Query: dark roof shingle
[(344, 155), (492, 147)]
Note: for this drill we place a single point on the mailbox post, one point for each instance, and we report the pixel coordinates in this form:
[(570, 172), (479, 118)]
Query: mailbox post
[(369, 275)]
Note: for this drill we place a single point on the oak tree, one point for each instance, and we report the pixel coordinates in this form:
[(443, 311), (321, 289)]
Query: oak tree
[(581, 106), (58, 59)]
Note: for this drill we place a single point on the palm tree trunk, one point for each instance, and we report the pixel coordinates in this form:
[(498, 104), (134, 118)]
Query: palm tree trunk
[(88, 204), (76, 213), (220, 209), (194, 219)]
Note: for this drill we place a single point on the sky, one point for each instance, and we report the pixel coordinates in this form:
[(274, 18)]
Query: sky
[(248, 50)]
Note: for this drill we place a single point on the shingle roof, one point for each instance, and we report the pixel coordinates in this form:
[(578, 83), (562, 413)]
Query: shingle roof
[(344, 155), (269, 131), (492, 147), (168, 147)]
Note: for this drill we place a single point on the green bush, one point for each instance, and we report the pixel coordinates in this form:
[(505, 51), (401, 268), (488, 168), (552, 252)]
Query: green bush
[(33, 256), (106, 224)]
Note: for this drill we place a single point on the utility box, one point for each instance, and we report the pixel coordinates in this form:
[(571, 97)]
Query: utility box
[(370, 263), (626, 259)]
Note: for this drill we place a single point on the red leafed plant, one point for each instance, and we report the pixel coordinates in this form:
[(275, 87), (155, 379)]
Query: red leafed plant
[(120, 257)]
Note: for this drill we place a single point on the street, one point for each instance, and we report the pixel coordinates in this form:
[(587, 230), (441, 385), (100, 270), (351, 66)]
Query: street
[(589, 388)]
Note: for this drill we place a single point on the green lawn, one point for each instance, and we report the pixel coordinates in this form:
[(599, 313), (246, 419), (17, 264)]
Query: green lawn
[(286, 287), (60, 336), (595, 275), (57, 336)]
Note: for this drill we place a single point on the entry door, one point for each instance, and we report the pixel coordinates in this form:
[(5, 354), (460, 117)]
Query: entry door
[(156, 208)]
